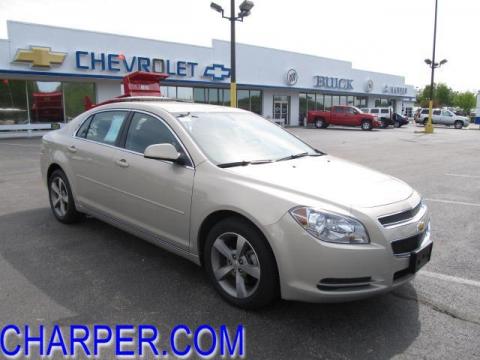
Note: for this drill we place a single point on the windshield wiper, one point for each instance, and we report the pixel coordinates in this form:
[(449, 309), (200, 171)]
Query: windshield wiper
[(296, 156), (243, 163)]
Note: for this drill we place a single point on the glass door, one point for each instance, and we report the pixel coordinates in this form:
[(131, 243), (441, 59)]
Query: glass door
[(281, 109)]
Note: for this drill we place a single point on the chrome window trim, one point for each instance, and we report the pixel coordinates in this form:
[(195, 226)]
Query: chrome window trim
[(192, 166)]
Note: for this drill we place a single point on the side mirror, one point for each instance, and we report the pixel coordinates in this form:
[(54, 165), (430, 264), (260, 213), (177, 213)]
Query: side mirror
[(162, 152)]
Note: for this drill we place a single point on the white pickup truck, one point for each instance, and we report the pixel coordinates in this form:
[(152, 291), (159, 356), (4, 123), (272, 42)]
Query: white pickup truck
[(443, 117)]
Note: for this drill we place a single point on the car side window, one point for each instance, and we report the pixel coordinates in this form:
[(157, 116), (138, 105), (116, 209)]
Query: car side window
[(105, 126), (374, 111), (350, 111), (446, 113), (146, 130), (82, 131), (339, 110), (436, 112), (384, 111)]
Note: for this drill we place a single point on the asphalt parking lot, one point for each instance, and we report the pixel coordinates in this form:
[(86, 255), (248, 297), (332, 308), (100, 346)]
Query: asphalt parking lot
[(92, 273)]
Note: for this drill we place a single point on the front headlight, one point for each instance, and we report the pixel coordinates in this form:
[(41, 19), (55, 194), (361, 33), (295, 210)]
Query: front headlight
[(330, 227)]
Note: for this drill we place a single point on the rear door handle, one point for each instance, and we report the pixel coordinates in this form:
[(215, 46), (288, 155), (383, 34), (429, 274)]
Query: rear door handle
[(122, 163), (72, 149)]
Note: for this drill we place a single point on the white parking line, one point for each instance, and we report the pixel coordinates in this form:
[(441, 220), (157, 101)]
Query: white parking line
[(453, 202), (465, 175), (454, 279)]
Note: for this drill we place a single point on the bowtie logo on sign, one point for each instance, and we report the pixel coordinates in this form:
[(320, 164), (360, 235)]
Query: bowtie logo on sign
[(38, 56), (217, 72)]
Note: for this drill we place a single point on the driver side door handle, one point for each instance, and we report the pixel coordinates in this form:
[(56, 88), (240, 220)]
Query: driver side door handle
[(122, 163)]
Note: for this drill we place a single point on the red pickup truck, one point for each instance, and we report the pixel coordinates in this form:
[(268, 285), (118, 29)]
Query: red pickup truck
[(343, 115)]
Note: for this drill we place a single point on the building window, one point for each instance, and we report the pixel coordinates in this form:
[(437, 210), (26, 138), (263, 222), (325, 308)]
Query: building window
[(343, 100), (319, 102), (213, 96), (46, 101), (250, 100), (328, 102), (361, 101), (75, 96), (350, 101), (185, 93), (13, 102), (199, 95)]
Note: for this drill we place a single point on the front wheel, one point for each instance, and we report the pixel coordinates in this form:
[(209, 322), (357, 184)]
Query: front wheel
[(366, 125), (61, 198), (240, 264), (458, 124)]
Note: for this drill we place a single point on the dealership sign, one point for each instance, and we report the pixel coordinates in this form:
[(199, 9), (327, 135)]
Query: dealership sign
[(43, 57), (333, 83), (395, 90)]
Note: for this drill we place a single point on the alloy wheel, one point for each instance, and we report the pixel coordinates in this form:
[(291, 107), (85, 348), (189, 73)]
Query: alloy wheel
[(235, 265), (59, 196)]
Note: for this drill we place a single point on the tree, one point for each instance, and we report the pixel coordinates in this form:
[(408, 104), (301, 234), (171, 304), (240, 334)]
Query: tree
[(442, 96), (465, 101)]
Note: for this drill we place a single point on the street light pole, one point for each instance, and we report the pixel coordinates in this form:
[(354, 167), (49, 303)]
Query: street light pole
[(245, 8), (233, 64), (429, 125)]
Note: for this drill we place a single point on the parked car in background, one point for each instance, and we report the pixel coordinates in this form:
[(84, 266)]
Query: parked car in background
[(384, 115), (443, 117), (399, 120), (343, 115)]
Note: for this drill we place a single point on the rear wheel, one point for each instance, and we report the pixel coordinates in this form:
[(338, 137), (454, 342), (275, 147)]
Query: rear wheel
[(458, 124), (366, 125), (240, 264), (61, 198), (397, 124), (384, 123), (320, 124), (425, 121)]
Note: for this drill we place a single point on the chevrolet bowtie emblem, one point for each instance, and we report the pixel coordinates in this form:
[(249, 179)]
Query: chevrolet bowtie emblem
[(39, 56), (421, 226)]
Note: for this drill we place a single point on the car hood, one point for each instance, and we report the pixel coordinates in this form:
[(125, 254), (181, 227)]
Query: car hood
[(331, 179)]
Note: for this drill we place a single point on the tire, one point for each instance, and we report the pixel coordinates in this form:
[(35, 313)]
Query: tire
[(366, 125), (61, 198), (425, 121), (320, 124), (252, 289), (397, 124), (384, 123), (458, 124)]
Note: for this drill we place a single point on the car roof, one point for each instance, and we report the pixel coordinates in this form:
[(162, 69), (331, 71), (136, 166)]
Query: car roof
[(168, 105)]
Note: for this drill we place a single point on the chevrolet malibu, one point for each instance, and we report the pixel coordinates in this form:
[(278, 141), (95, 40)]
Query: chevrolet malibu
[(264, 214)]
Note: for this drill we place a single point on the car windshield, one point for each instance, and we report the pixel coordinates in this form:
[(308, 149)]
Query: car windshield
[(241, 137)]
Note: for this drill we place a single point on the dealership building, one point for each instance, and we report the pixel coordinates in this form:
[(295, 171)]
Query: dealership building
[(47, 74)]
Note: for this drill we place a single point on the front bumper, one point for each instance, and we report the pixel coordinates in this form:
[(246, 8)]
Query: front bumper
[(316, 271)]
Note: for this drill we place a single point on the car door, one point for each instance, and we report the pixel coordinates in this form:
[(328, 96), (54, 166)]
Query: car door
[(350, 118), (154, 195), (448, 117), (91, 154), (338, 116), (437, 117)]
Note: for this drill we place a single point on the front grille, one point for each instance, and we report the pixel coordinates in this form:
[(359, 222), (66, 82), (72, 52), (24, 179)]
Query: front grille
[(406, 245), (400, 217)]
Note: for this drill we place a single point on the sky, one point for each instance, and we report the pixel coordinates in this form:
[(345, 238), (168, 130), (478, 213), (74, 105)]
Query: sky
[(390, 36)]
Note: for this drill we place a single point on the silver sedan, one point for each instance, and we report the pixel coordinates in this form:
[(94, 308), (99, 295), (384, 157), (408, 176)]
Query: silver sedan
[(265, 214)]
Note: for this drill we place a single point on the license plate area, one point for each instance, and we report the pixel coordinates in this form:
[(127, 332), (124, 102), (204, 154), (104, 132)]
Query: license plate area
[(420, 257)]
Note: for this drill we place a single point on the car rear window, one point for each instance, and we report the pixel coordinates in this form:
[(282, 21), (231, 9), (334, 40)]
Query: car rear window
[(105, 126)]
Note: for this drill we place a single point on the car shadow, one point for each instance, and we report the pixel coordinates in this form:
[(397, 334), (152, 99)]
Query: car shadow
[(104, 275)]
